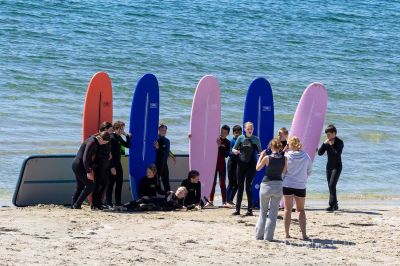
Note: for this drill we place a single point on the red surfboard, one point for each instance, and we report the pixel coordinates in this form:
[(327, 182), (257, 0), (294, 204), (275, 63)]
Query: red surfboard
[(98, 104), (97, 107)]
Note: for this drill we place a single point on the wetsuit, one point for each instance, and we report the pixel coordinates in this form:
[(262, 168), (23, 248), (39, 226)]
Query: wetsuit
[(116, 142), (173, 202), (333, 167), (102, 173), (193, 196), (223, 152), (162, 154), (82, 165), (232, 174), (149, 187), (248, 147)]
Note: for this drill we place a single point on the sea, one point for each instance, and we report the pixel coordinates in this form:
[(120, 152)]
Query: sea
[(49, 51)]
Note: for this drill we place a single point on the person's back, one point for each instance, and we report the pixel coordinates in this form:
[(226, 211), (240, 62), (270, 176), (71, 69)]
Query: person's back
[(275, 168), (299, 168)]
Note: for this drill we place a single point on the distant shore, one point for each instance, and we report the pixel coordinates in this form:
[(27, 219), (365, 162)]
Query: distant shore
[(363, 231)]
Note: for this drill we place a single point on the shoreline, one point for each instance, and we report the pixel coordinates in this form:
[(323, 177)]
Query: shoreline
[(56, 235)]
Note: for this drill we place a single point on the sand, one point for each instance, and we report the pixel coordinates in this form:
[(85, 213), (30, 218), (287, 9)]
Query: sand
[(361, 233)]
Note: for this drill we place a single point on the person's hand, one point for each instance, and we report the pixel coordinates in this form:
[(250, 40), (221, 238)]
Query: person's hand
[(197, 207), (263, 153), (219, 142), (110, 156), (113, 171), (90, 176), (156, 145), (326, 141), (236, 152), (286, 148), (174, 160)]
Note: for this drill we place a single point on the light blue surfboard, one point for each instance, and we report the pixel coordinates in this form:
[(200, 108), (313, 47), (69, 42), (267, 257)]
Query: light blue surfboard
[(144, 129), (259, 109)]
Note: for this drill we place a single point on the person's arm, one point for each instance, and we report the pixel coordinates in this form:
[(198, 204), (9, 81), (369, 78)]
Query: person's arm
[(285, 168), (198, 194), (322, 149), (142, 187), (263, 160), (88, 155), (236, 148), (336, 148), (227, 148), (114, 151), (124, 143), (258, 143)]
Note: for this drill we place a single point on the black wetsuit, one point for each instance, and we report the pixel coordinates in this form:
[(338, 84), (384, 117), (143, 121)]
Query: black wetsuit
[(116, 142), (82, 165), (333, 167), (102, 173), (232, 173), (150, 187), (162, 154), (246, 170), (193, 196)]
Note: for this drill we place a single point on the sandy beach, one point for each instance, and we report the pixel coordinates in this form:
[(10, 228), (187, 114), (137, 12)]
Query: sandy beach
[(361, 232)]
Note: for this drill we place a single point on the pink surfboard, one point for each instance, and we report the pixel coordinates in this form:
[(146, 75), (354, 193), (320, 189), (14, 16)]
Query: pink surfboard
[(309, 117), (205, 122)]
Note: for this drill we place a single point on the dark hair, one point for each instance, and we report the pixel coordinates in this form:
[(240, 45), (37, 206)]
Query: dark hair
[(153, 168), (104, 135), (237, 128), (193, 174), (104, 126), (331, 129), (226, 127), (162, 125)]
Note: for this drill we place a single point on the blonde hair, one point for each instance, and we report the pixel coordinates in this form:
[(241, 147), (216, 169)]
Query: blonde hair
[(294, 141), (276, 144), (119, 124), (248, 124), (182, 189)]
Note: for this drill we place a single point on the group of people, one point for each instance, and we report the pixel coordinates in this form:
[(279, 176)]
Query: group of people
[(97, 167)]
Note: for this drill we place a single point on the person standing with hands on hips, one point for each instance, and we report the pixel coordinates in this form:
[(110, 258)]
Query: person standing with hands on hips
[(334, 147)]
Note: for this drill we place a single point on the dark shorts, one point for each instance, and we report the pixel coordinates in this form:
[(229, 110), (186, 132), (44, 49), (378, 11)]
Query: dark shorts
[(294, 191)]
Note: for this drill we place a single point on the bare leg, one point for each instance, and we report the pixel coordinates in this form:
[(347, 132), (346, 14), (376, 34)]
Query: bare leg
[(302, 215), (288, 213)]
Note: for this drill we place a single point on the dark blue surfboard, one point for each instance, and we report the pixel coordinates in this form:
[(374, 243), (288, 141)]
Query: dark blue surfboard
[(144, 129), (259, 109)]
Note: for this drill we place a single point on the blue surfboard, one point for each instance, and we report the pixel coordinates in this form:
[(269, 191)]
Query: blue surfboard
[(144, 129), (259, 109)]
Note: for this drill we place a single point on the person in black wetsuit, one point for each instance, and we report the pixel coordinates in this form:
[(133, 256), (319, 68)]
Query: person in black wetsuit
[(232, 166), (247, 147), (149, 186), (162, 145), (116, 175), (193, 186), (283, 135), (84, 166), (102, 173), (175, 200), (334, 147)]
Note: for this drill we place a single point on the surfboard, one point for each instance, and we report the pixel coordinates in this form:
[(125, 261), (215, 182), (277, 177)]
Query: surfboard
[(205, 122), (49, 179), (144, 129), (309, 117), (259, 109), (98, 104)]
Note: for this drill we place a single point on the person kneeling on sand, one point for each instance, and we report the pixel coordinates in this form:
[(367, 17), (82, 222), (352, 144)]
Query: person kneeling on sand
[(175, 199)]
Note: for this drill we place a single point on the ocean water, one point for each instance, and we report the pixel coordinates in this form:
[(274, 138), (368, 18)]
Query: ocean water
[(50, 49)]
